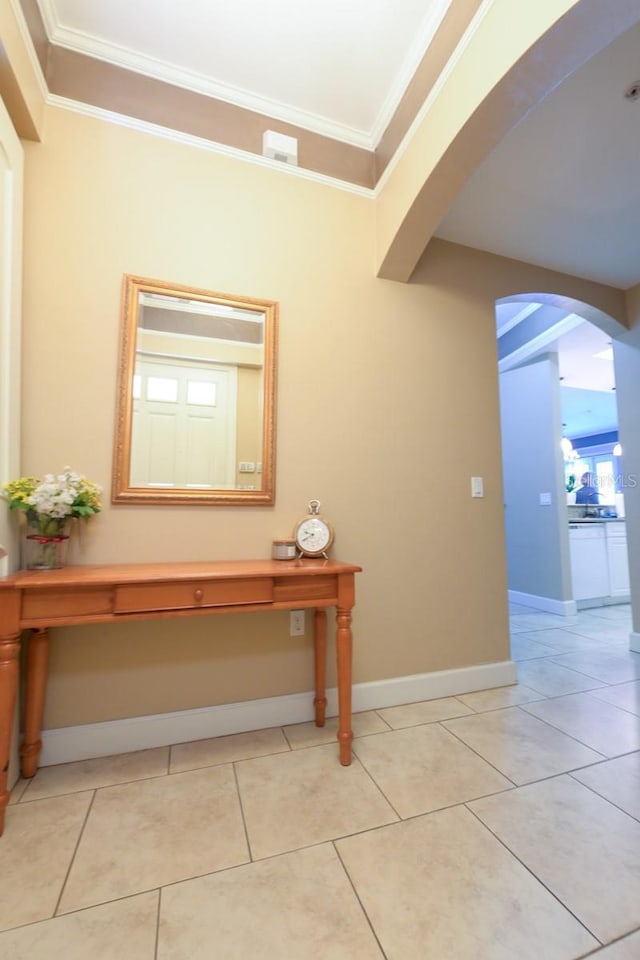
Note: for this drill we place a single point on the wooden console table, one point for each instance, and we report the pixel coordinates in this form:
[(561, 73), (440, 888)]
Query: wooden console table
[(37, 600)]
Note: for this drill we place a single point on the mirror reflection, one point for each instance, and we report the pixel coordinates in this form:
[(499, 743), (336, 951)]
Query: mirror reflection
[(195, 417)]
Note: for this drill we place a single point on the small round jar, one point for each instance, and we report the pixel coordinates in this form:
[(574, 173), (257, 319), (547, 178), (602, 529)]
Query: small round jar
[(283, 550)]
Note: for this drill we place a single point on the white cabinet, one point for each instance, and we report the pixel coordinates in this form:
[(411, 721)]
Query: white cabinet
[(618, 560), (599, 561), (589, 566)]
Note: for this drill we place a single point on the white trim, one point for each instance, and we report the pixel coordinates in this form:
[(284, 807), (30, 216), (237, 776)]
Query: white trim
[(29, 47), (415, 55), (11, 289), (450, 65), (311, 122), (66, 744), (120, 56), (48, 16), (199, 83), (592, 602), (634, 642), (521, 315), (168, 133), (564, 608), (537, 343)]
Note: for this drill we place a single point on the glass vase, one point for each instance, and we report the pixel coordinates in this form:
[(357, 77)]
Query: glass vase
[(46, 542)]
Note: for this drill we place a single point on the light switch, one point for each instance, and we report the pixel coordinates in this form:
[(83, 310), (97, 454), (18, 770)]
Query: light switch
[(545, 499), (477, 487)]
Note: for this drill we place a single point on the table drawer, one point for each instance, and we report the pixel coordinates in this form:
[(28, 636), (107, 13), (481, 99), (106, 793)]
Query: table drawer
[(139, 597), (305, 588), (52, 605)]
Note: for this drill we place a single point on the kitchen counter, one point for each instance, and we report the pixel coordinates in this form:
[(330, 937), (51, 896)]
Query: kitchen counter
[(593, 513), (596, 520)]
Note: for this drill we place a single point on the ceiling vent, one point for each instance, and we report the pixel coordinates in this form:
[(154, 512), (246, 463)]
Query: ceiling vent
[(278, 147)]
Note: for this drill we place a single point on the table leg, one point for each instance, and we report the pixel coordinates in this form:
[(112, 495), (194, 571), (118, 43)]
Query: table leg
[(320, 649), (9, 671), (343, 651), (37, 658)]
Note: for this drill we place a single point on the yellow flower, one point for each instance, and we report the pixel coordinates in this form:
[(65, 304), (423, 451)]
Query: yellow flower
[(67, 495)]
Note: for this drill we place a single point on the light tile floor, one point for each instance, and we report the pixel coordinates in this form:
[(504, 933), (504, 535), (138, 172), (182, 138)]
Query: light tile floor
[(496, 825)]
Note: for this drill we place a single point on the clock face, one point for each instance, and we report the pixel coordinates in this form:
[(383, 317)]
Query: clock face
[(313, 535)]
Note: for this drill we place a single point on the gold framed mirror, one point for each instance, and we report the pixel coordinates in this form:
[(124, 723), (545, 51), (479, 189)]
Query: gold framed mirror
[(195, 412)]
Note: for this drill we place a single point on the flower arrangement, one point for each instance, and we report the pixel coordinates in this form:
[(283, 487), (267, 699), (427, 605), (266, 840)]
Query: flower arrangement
[(48, 503)]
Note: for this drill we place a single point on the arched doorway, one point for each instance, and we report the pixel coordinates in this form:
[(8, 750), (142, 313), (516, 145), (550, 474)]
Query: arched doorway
[(558, 389)]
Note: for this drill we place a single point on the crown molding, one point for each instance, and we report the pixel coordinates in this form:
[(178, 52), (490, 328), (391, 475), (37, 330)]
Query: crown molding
[(119, 56), (522, 314), (412, 61), (168, 133), (29, 48), (464, 42), (48, 16)]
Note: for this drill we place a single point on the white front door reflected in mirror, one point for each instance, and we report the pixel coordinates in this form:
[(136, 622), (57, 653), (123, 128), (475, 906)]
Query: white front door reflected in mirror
[(195, 416)]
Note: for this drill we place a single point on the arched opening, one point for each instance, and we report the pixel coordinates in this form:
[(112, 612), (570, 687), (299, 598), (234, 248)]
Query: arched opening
[(559, 421), (474, 110)]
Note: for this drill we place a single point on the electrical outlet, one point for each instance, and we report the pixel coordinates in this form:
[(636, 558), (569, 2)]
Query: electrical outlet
[(296, 623)]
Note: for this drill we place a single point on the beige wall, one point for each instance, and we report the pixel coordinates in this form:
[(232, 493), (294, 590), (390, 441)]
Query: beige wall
[(387, 404)]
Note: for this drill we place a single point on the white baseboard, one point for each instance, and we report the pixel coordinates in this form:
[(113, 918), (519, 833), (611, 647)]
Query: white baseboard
[(634, 642), (67, 744), (594, 602), (564, 608)]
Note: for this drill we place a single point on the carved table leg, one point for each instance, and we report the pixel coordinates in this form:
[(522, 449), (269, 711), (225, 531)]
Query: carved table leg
[(320, 647), (9, 670), (343, 650), (37, 658)]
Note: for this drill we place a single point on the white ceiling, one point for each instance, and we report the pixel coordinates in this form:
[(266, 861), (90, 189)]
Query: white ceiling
[(337, 67), (588, 382), (562, 190), (585, 364)]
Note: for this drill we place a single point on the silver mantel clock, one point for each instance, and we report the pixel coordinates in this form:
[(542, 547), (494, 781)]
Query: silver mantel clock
[(313, 534)]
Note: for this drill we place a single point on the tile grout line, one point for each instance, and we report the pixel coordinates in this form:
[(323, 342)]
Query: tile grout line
[(611, 943), (601, 795), (572, 737), (532, 874), (358, 898), (242, 813), (74, 854), (479, 755), (376, 785)]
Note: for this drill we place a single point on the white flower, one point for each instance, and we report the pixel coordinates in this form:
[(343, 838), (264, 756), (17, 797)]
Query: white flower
[(55, 497)]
